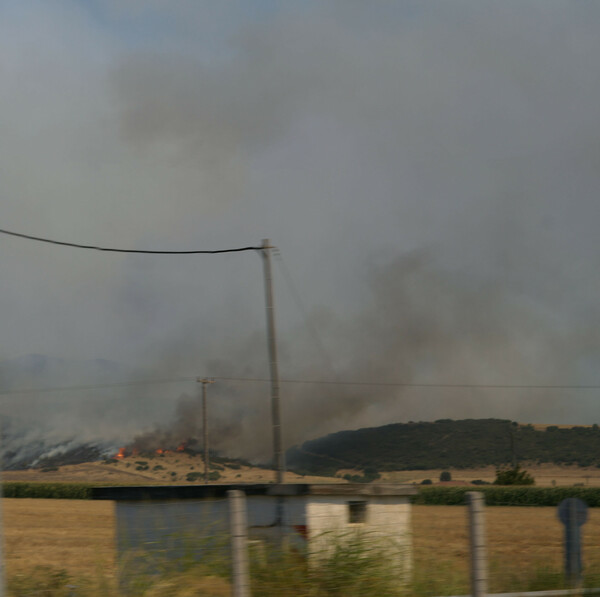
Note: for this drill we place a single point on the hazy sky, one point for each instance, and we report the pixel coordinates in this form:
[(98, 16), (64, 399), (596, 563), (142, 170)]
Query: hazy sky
[(428, 170)]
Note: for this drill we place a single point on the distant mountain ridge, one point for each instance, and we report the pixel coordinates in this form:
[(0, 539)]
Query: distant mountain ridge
[(444, 444)]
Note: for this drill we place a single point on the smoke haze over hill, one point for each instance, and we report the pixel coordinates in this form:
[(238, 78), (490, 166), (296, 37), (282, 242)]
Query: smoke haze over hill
[(429, 173)]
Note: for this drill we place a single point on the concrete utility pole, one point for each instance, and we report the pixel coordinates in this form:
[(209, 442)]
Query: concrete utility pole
[(2, 577), (204, 382), (479, 568), (279, 461)]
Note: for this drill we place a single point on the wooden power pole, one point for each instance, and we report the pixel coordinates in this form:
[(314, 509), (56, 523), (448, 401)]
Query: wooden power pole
[(204, 383)]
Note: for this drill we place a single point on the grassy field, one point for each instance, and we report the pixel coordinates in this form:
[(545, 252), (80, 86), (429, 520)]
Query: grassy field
[(174, 468), (525, 544), (546, 475)]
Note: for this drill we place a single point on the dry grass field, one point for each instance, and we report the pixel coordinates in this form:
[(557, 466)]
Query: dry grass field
[(75, 535), (521, 542), (78, 536), (546, 475), (174, 468)]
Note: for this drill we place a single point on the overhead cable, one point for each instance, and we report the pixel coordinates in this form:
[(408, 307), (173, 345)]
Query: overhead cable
[(115, 250), (150, 382)]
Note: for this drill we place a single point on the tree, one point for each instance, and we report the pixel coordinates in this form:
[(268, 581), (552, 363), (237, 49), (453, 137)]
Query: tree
[(513, 476), (445, 476)]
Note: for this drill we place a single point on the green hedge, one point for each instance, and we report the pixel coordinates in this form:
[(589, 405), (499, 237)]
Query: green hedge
[(68, 491), (438, 496), (508, 496)]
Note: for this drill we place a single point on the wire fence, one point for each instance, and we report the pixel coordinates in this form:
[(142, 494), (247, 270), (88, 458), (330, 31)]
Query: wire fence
[(524, 549)]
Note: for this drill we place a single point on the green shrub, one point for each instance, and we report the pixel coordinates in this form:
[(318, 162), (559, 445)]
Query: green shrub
[(191, 477), (445, 476), (75, 491), (508, 496), (352, 566), (513, 476), (42, 580), (369, 475)]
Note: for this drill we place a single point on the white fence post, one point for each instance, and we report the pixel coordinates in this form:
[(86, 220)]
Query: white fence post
[(479, 569), (238, 524)]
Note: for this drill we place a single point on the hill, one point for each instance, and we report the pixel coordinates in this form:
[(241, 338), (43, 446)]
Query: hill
[(468, 443), (179, 468)]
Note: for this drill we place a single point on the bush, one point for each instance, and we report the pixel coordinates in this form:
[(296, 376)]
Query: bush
[(426, 482), (445, 476), (369, 475), (64, 491), (513, 476), (349, 566), (42, 580), (508, 496), (191, 477)]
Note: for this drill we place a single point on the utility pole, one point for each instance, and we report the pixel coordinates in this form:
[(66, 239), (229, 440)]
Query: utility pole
[(272, 344), (204, 383)]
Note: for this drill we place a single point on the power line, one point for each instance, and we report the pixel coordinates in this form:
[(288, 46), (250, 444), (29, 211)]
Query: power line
[(146, 382), (149, 382), (304, 312), (420, 385), (114, 250)]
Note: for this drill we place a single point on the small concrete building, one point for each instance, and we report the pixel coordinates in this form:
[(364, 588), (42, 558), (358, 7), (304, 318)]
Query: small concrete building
[(168, 523)]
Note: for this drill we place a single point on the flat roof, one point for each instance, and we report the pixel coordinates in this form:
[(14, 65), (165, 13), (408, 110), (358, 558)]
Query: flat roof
[(191, 492)]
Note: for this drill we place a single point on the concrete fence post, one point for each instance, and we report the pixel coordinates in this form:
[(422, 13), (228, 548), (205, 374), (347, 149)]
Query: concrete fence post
[(238, 524), (479, 569)]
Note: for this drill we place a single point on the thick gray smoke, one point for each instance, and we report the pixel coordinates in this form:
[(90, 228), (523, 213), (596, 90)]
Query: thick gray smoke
[(420, 327), (428, 170)]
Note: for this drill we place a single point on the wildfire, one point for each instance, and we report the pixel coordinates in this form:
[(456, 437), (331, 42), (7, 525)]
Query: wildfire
[(129, 451), (180, 448)]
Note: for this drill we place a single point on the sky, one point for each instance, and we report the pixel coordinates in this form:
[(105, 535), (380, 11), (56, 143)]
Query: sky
[(427, 171)]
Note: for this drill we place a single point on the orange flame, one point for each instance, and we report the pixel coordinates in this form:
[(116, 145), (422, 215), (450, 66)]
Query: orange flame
[(181, 447), (120, 454)]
